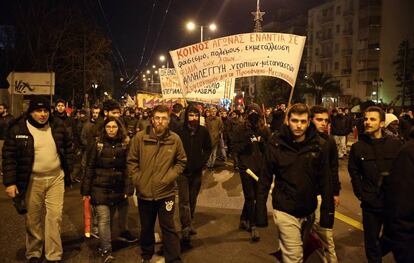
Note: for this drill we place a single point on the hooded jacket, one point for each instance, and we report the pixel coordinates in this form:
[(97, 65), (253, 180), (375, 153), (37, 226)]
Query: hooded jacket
[(197, 144), (369, 165), (302, 172), (106, 179), (154, 163), (18, 152)]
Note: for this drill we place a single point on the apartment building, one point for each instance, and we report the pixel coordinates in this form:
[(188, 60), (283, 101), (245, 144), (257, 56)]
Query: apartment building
[(357, 41)]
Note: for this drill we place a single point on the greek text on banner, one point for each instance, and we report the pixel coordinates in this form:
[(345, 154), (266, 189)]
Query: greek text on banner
[(170, 87), (243, 55)]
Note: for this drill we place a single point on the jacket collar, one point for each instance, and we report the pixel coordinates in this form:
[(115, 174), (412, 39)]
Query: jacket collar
[(150, 135)]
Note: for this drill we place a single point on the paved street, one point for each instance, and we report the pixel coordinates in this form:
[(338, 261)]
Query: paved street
[(217, 217)]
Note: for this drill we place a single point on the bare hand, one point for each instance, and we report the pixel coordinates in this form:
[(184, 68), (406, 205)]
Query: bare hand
[(12, 191), (336, 200)]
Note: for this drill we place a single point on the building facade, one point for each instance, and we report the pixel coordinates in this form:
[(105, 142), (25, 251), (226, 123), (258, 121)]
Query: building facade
[(356, 41)]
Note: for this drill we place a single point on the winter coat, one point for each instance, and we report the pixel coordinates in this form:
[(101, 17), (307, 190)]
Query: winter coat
[(215, 127), (333, 162), (340, 125), (302, 172), (197, 146), (369, 166), (18, 152), (106, 179), (154, 163), (88, 133), (399, 205), (4, 125), (175, 123), (251, 154)]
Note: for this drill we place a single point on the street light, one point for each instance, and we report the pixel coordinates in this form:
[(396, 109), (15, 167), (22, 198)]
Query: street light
[(377, 83), (191, 26), (162, 59)]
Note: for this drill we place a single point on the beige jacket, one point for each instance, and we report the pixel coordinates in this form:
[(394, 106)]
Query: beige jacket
[(155, 163)]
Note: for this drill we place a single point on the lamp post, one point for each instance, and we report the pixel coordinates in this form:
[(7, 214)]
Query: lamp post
[(377, 83), (191, 26)]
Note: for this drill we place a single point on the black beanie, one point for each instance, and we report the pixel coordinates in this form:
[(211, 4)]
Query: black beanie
[(38, 102)]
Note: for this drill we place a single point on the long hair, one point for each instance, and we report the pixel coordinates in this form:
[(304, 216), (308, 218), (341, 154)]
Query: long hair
[(121, 134)]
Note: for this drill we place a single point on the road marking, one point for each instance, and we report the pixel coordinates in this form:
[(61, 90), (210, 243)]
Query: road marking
[(349, 221)]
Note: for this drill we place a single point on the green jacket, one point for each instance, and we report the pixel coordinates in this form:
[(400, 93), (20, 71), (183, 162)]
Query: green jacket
[(155, 163)]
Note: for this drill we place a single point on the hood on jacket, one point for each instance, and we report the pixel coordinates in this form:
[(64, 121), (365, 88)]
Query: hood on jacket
[(193, 109)]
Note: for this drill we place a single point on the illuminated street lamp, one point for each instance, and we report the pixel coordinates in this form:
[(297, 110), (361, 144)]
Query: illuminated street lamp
[(191, 26), (162, 58)]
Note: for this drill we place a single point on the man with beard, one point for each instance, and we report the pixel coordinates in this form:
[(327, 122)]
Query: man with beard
[(320, 118), (369, 166), (155, 160), (298, 158), (197, 145), (37, 158)]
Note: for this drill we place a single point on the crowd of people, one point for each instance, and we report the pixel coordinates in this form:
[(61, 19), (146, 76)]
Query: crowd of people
[(291, 153)]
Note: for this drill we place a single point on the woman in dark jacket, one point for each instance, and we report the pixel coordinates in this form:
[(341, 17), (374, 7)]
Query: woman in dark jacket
[(106, 180), (248, 144)]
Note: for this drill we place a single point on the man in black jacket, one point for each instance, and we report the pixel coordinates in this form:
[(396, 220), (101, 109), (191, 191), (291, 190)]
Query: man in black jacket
[(340, 129), (298, 157), (197, 145), (399, 205), (369, 165), (175, 120), (320, 118), (37, 158)]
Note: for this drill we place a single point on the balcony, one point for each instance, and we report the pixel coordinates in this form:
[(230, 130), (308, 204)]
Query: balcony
[(325, 55), (348, 12), (347, 52), (326, 19), (347, 32), (347, 71), (325, 37)]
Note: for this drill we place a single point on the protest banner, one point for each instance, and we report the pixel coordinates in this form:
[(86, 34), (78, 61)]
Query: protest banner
[(252, 54), (170, 88), (151, 100)]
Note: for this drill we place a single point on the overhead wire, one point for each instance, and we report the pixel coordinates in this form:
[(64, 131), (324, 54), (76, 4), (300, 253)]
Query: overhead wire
[(123, 70)]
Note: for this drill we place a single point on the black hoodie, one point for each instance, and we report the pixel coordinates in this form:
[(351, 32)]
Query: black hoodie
[(197, 143)]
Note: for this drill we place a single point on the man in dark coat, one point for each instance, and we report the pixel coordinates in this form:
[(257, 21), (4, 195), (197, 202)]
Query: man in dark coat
[(175, 120), (197, 145), (37, 159), (369, 166), (298, 158), (399, 205), (320, 118)]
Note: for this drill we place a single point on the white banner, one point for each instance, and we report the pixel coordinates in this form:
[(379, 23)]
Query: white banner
[(170, 87), (31, 83), (253, 54)]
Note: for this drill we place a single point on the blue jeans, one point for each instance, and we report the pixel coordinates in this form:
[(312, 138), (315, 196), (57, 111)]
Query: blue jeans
[(105, 215)]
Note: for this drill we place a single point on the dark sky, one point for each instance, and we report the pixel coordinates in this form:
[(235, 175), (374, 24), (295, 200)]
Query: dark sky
[(131, 22), (141, 30)]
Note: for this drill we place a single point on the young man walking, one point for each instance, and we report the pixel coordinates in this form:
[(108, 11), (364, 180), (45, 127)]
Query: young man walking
[(156, 158), (369, 166), (298, 157)]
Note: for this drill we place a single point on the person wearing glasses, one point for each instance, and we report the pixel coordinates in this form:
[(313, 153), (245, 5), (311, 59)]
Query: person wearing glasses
[(155, 160), (106, 182)]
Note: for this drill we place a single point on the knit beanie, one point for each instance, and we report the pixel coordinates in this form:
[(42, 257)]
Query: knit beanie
[(389, 117), (38, 102)]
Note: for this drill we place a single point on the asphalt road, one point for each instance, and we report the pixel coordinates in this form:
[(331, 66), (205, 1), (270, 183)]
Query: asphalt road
[(217, 218)]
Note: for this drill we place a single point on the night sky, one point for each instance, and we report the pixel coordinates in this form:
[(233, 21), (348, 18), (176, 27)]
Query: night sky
[(141, 30)]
